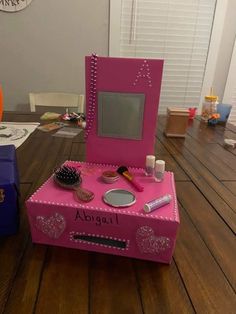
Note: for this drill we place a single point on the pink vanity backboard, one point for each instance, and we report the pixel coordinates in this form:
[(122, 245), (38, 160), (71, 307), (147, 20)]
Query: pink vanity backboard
[(122, 75)]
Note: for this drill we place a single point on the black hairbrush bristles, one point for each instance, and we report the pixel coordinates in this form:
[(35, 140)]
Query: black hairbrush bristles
[(67, 175), (69, 178)]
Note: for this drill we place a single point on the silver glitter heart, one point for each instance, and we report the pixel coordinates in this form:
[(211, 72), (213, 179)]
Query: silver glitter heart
[(52, 226), (148, 242)]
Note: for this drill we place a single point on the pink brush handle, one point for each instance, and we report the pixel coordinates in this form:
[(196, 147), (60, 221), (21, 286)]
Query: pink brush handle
[(138, 187)]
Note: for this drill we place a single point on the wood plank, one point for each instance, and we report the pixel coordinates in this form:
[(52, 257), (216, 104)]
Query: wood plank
[(162, 289), (26, 283), (219, 196), (224, 154), (78, 151), (206, 220), (211, 135), (11, 251), (201, 273), (231, 127), (209, 178), (171, 165), (64, 284), (32, 162), (216, 163), (79, 138), (204, 133), (113, 287), (231, 186), (12, 116), (27, 279), (196, 129)]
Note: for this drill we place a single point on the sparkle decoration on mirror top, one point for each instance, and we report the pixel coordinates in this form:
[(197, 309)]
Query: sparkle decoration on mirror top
[(144, 72)]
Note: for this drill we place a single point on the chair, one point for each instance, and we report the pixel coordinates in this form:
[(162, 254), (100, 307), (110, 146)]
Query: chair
[(66, 100)]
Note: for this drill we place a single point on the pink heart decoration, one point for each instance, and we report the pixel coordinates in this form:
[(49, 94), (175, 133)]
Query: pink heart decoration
[(148, 242), (52, 226)]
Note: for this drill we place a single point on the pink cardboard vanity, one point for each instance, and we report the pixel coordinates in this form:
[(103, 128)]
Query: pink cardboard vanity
[(122, 98), (56, 218)]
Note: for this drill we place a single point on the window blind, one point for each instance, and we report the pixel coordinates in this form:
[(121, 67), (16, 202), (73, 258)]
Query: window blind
[(177, 31)]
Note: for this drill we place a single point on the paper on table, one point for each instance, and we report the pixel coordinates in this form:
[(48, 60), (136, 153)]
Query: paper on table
[(16, 132), (67, 132), (51, 126)]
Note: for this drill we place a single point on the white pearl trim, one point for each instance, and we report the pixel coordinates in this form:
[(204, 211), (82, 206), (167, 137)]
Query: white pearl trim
[(144, 72), (74, 233)]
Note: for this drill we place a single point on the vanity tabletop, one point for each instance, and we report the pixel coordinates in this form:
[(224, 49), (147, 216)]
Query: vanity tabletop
[(52, 193)]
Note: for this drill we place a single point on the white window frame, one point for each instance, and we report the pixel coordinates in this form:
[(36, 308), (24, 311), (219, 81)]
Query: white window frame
[(230, 87), (215, 41)]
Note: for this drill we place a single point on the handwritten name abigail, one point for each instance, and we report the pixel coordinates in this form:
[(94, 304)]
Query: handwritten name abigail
[(98, 220)]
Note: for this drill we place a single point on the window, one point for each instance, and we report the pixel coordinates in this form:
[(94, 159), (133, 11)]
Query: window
[(177, 31)]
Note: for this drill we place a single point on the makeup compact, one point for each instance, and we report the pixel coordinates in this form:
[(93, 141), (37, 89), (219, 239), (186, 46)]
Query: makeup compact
[(119, 198), (110, 176)]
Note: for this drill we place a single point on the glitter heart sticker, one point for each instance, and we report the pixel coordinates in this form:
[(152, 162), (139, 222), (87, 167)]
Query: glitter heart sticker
[(148, 242), (52, 226)]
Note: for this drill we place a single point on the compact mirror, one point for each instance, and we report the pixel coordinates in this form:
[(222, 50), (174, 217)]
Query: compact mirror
[(119, 198)]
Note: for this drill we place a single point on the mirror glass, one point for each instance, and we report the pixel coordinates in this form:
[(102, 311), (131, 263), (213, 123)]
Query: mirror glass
[(119, 198), (120, 115)]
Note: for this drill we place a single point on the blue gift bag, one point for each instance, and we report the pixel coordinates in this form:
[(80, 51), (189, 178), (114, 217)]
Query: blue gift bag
[(224, 111)]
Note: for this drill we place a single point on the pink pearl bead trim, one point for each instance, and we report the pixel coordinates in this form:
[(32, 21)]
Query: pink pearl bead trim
[(92, 94)]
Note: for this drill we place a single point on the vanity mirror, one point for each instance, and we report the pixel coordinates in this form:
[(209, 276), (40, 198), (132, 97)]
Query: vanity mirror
[(119, 198), (120, 115)]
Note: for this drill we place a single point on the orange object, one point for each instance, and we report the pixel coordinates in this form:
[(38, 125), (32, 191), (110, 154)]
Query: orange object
[(215, 116), (1, 103)]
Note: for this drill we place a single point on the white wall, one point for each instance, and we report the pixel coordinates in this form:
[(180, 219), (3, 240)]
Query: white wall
[(226, 49), (42, 47)]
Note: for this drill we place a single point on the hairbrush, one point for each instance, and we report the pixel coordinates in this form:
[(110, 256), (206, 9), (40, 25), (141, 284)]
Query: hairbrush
[(70, 178), (125, 173)]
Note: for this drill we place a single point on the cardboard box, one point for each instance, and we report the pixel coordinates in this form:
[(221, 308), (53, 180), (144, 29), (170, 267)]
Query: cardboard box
[(177, 122), (121, 112), (9, 191), (56, 218)]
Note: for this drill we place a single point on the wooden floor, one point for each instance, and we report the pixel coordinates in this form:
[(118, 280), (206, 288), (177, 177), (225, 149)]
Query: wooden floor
[(202, 276)]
